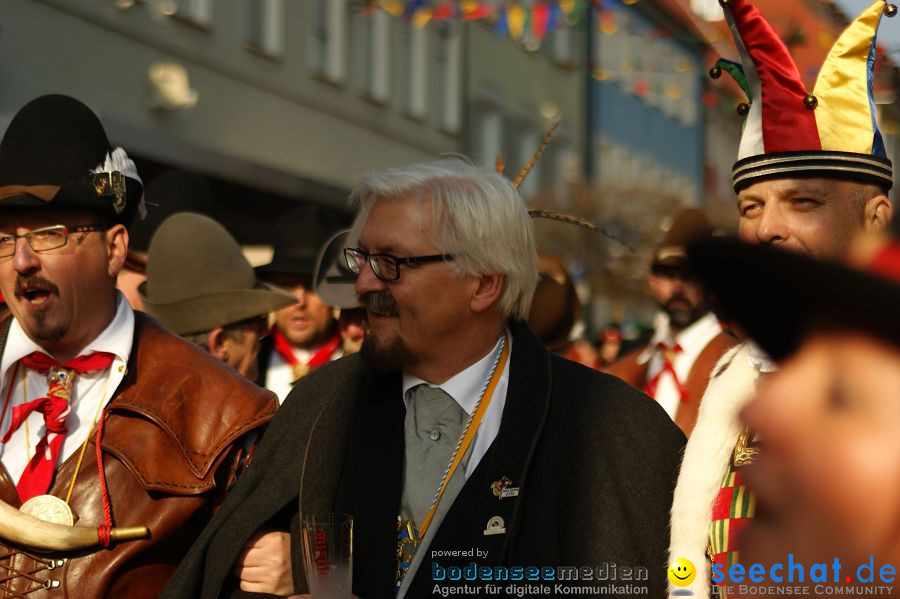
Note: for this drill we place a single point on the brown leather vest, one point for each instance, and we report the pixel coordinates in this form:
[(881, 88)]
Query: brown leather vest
[(172, 443), (628, 369)]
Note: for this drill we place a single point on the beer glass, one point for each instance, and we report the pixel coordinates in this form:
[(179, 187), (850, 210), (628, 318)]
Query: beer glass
[(328, 554)]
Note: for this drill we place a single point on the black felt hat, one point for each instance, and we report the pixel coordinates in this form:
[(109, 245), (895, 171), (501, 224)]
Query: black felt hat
[(333, 281), (55, 151), (168, 194), (780, 297), (299, 237)]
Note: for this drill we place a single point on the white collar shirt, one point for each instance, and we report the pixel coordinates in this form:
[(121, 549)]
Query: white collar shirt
[(465, 389), (692, 340), (280, 377), (90, 392)]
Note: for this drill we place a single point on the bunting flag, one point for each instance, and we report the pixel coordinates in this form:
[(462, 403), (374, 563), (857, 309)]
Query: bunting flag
[(501, 25), (507, 18), (422, 16), (515, 19), (540, 15)]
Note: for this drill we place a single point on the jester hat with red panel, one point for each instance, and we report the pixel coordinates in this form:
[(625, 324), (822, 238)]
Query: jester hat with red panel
[(792, 132)]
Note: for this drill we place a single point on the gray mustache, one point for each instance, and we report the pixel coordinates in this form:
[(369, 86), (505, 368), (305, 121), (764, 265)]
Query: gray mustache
[(379, 302)]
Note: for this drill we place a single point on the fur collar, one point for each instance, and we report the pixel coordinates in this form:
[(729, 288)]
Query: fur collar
[(706, 458)]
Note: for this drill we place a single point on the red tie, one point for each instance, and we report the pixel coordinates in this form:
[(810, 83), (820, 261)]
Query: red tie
[(668, 353), (38, 473), (286, 351)]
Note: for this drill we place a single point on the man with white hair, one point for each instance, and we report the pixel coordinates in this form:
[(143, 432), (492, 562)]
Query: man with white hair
[(454, 438)]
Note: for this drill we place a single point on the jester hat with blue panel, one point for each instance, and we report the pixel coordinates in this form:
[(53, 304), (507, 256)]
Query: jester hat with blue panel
[(55, 152), (791, 132)]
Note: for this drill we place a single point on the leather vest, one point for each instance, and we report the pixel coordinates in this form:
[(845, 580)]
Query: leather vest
[(628, 369), (173, 442)]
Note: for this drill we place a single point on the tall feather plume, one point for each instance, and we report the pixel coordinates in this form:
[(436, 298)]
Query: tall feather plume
[(571, 219), (564, 217), (530, 164)]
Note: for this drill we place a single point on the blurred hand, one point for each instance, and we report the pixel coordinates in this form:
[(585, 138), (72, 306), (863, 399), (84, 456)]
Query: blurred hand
[(264, 564)]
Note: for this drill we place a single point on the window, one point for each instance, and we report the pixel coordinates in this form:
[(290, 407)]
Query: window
[(447, 67), (562, 45), (416, 73), (328, 39), (487, 135), (264, 25), (522, 146), (377, 28), (198, 11)]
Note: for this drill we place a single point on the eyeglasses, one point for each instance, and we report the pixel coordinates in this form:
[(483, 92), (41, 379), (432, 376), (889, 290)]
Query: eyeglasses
[(43, 239), (385, 266)]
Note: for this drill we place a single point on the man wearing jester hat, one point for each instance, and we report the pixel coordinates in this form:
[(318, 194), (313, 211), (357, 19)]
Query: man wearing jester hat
[(811, 175), (109, 422)]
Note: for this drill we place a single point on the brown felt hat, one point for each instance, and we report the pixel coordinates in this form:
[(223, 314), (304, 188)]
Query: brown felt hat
[(198, 279), (687, 226), (555, 307)]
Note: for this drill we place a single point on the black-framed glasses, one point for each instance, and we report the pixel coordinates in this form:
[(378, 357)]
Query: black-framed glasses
[(43, 239), (385, 266)]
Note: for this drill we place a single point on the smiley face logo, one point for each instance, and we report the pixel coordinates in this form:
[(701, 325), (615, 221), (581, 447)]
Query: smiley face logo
[(682, 572)]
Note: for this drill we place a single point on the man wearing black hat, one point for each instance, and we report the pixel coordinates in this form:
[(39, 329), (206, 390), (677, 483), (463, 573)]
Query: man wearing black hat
[(165, 422), (213, 299), (334, 283), (305, 334), (168, 194), (674, 367)]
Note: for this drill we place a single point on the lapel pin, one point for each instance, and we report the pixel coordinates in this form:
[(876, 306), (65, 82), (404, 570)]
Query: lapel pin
[(501, 488), (495, 526)]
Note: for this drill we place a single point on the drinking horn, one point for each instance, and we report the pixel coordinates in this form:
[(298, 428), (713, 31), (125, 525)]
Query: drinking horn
[(22, 529)]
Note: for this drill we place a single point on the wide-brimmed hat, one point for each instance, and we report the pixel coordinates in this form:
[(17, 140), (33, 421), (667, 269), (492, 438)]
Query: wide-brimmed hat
[(687, 225), (169, 193), (198, 279), (55, 152), (333, 281), (778, 298), (299, 237), (555, 306), (831, 131)]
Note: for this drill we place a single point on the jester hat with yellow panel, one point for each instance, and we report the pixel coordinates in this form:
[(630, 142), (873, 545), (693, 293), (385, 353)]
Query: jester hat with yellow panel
[(789, 131)]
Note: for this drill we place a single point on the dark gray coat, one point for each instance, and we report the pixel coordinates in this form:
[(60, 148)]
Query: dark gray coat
[(594, 459)]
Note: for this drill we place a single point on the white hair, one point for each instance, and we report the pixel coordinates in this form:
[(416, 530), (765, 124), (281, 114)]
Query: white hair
[(478, 217)]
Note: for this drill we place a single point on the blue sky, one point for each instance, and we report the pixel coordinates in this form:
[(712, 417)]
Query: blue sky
[(888, 32)]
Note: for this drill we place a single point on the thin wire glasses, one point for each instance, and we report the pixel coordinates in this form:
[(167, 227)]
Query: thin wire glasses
[(43, 239), (385, 266)]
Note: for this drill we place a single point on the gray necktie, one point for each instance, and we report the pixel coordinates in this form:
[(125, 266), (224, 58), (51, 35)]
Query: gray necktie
[(432, 427)]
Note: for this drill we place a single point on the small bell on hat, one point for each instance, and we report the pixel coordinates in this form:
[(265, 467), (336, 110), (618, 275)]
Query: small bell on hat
[(55, 151), (789, 131)]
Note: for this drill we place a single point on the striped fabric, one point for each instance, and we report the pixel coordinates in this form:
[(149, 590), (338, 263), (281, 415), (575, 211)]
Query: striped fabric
[(732, 510)]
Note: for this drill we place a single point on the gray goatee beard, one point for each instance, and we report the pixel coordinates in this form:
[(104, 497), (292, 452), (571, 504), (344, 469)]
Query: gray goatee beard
[(385, 355)]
